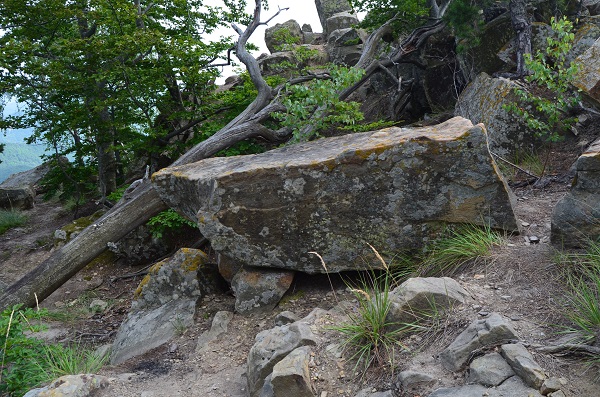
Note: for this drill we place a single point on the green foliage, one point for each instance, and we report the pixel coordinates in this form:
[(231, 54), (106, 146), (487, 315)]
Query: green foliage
[(583, 296), (300, 54), (458, 246), (465, 18), (545, 105), (26, 362), (11, 219), (301, 101), (411, 13), (166, 221), (369, 335), (105, 81)]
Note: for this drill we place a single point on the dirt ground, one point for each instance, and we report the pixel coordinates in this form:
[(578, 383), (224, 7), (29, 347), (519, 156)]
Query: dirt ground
[(519, 280)]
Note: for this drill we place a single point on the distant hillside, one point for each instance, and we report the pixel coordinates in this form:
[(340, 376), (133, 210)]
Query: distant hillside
[(19, 157)]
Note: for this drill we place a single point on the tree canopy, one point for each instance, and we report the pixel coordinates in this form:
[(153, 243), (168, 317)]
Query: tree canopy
[(104, 80)]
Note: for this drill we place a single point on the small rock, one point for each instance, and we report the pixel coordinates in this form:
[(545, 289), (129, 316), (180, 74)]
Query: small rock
[(551, 385), (409, 379), (72, 385), (489, 370), (523, 363), (98, 306), (558, 393), (291, 376), (534, 239), (525, 224), (286, 317)]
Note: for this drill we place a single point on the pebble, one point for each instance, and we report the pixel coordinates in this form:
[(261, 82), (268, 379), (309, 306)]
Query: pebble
[(525, 224), (534, 239)]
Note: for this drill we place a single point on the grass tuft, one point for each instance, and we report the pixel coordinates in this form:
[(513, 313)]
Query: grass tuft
[(461, 245), (11, 219)]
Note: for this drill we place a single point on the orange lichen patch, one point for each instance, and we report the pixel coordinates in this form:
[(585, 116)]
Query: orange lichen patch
[(194, 259)]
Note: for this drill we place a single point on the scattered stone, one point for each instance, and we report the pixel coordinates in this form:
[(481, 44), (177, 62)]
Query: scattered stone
[(489, 370), (259, 290), (558, 393), (484, 333), (421, 295), (291, 376), (576, 217), (409, 379), (512, 387), (534, 239), (368, 392), (286, 317), (523, 363), (336, 191), (552, 385), (217, 328), (83, 385), (98, 306), (270, 347), (463, 391)]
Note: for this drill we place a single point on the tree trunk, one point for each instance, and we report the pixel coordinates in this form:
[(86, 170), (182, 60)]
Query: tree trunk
[(66, 262)]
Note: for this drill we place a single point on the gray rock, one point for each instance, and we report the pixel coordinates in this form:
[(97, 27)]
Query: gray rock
[(259, 290), (558, 393), (217, 328), (523, 363), (16, 198), (512, 387), (368, 392), (552, 385), (487, 332), (83, 385), (286, 317), (489, 370), (421, 295), (463, 391), (593, 6), (98, 306), (341, 20), (587, 78), (344, 46), (276, 36), (145, 330), (482, 102), (164, 304), (291, 376), (576, 217), (409, 379), (327, 8), (330, 195), (279, 62), (270, 347)]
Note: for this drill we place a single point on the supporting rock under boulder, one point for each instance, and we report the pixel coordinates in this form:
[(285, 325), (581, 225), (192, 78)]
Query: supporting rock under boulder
[(259, 290), (576, 217), (165, 304), (395, 189)]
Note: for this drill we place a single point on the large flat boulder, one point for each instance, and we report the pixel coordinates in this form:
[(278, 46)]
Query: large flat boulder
[(395, 189)]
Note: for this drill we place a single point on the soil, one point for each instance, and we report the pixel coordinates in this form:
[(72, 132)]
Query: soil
[(519, 280)]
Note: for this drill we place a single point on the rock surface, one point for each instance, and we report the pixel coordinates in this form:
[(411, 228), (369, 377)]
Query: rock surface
[(523, 363), (282, 34), (482, 102), (327, 8), (271, 347), (259, 290), (393, 188), (83, 385), (420, 295), (489, 370), (494, 330), (291, 376), (165, 304), (576, 217), (587, 78)]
